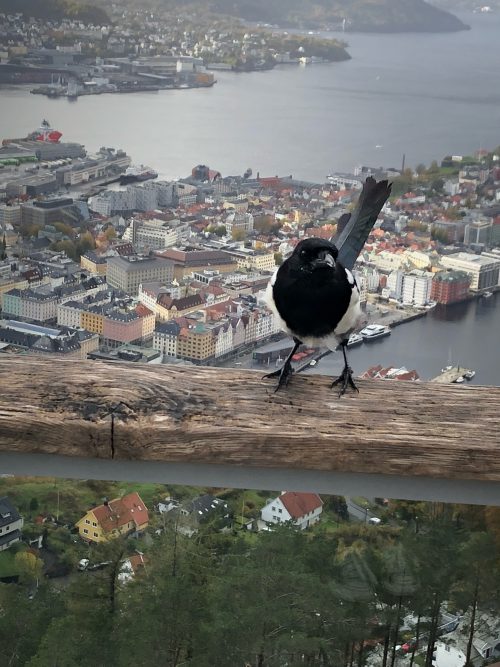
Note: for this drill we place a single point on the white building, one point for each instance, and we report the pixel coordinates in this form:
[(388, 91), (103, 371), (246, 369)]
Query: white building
[(302, 509), (387, 261), (146, 197), (11, 524), (478, 232), (266, 325), (69, 314), (417, 288), (484, 270), (33, 305), (419, 259), (395, 284), (224, 340), (362, 282), (239, 221), (157, 234), (372, 278), (165, 338)]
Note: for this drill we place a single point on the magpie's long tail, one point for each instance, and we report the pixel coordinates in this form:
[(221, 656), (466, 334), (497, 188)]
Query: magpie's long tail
[(355, 227)]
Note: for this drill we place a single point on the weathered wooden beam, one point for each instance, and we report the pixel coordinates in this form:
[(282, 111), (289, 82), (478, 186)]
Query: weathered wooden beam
[(232, 418)]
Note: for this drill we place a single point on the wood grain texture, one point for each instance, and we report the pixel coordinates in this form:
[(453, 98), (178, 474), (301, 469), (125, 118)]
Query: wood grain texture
[(213, 415)]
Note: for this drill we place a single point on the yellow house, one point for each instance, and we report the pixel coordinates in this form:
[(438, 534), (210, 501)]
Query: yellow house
[(114, 518)]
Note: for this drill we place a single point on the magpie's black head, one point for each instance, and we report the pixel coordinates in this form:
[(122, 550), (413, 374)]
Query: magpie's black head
[(314, 254)]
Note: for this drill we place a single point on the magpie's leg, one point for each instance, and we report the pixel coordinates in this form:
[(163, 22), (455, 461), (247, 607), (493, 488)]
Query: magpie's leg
[(345, 378), (285, 372)]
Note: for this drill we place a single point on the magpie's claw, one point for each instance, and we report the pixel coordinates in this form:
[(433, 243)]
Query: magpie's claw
[(345, 380), (284, 375)]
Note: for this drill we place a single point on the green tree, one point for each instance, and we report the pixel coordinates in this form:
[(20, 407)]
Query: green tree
[(86, 242), (434, 168), (238, 234), (172, 597), (65, 229), (263, 223), (65, 246), (479, 580), (3, 248), (34, 504), (24, 621), (29, 567)]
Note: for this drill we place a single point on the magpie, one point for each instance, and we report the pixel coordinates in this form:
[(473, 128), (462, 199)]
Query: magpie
[(314, 294)]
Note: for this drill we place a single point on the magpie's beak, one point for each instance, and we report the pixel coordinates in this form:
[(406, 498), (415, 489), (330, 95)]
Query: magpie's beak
[(324, 260)]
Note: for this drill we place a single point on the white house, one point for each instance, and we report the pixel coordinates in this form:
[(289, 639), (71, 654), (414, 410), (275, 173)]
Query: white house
[(302, 509), (488, 646), (11, 524)]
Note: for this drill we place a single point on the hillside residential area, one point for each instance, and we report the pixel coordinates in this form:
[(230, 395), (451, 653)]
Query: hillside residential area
[(139, 50), (88, 554)]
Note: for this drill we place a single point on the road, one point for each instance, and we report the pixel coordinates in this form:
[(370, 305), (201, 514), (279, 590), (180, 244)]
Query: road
[(357, 512)]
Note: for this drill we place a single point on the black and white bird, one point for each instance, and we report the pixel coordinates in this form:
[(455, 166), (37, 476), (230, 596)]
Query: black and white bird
[(314, 294)]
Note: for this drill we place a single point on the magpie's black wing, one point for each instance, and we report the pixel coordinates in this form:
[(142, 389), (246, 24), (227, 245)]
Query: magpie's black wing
[(354, 229)]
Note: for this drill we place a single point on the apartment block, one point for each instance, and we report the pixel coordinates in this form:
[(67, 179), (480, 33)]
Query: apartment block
[(483, 270), (450, 286), (127, 273)]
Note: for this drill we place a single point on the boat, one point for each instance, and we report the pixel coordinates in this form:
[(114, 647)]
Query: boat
[(354, 339), (374, 331), (44, 133), (469, 375), (459, 380), (446, 368), (486, 295), (313, 362), (134, 174)]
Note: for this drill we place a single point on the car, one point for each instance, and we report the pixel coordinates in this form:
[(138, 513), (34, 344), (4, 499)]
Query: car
[(374, 520)]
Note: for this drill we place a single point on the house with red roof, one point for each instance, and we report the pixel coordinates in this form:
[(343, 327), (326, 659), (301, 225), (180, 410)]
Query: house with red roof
[(113, 518), (301, 509)]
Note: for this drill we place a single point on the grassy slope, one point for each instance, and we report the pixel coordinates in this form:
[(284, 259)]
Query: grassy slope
[(56, 9), (364, 15)]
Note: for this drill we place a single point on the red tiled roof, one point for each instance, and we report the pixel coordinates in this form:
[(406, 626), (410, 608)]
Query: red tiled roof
[(121, 511), (142, 310), (138, 561), (300, 504)]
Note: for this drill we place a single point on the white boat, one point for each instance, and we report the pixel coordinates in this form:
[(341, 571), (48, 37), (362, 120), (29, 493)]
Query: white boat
[(354, 339), (313, 362), (486, 295), (446, 368), (469, 375), (459, 380), (374, 331)]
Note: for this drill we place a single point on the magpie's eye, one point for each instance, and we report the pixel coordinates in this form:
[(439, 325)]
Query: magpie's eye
[(303, 253)]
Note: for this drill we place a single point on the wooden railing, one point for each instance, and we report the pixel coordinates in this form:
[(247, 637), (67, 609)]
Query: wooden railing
[(226, 427)]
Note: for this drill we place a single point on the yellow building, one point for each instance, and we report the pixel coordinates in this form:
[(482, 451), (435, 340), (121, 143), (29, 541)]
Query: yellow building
[(93, 320), (113, 518), (94, 263), (148, 321), (259, 262), (196, 345), (168, 308)]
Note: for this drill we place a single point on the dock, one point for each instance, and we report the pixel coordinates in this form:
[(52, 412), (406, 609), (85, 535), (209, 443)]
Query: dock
[(451, 375)]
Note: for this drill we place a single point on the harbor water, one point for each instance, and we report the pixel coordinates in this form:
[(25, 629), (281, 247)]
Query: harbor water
[(465, 334), (424, 95)]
